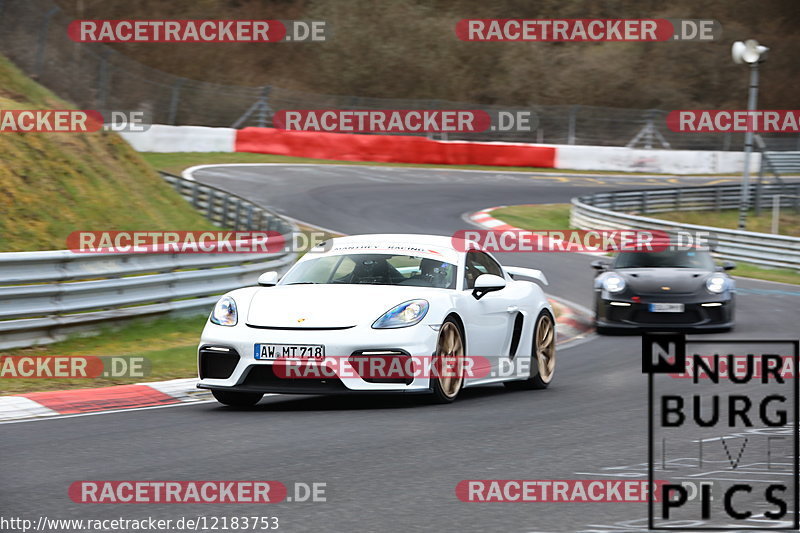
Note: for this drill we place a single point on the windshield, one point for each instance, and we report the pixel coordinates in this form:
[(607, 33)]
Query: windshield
[(665, 259), (374, 269)]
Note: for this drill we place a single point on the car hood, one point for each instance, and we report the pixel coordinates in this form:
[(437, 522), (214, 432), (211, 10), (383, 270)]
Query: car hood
[(326, 306), (653, 280)]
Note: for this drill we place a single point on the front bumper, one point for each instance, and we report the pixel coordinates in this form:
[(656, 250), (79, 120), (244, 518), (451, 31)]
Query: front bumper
[(226, 360), (625, 313)]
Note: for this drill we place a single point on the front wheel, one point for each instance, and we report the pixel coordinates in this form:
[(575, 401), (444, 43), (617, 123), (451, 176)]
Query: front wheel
[(602, 330), (447, 374), (237, 399), (543, 356)]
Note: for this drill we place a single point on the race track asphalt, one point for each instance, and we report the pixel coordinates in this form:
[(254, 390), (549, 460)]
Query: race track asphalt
[(391, 464)]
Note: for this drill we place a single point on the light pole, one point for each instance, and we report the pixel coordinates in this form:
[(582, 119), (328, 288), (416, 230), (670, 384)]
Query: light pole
[(748, 52)]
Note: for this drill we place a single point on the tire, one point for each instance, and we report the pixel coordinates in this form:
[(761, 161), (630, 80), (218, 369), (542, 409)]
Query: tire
[(543, 355), (237, 399), (600, 330), (446, 386)]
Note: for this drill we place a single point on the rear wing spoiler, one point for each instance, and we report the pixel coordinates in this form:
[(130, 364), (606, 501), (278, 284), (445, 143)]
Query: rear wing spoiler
[(530, 273)]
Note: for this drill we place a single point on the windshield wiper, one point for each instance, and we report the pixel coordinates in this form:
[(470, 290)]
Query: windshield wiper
[(303, 283)]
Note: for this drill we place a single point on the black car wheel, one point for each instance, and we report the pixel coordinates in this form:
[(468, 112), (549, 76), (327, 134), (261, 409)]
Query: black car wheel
[(237, 399)]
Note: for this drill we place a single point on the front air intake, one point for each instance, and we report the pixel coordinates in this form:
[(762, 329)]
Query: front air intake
[(217, 362)]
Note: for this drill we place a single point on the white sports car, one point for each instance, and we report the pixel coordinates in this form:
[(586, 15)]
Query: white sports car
[(381, 313)]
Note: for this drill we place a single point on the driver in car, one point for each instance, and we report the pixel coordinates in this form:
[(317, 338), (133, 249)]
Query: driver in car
[(431, 273)]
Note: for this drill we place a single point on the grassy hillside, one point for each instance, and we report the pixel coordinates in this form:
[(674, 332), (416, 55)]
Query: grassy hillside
[(54, 183)]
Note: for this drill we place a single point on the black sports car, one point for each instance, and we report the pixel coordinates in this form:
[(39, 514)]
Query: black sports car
[(670, 289)]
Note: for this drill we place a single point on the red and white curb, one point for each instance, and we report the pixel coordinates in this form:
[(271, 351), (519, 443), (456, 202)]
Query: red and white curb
[(75, 402), (485, 219), (573, 323)]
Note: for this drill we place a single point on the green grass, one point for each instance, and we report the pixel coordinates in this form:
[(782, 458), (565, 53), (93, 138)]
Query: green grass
[(556, 216), (168, 344), (783, 275), (176, 162), (788, 222), (535, 217), (52, 184)]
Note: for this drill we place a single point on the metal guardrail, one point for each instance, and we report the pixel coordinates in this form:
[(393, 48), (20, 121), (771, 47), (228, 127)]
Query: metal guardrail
[(780, 163), (690, 198), (226, 209), (623, 210), (47, 295)]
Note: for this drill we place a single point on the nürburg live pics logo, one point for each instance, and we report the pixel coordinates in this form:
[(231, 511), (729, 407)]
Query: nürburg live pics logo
[(723, 432)]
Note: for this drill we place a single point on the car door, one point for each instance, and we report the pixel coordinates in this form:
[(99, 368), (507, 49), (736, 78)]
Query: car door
[(487, 321)]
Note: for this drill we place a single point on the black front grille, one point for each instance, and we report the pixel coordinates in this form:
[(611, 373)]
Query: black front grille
[(386, 373), (216, 363), (263, 378), (689, 316)]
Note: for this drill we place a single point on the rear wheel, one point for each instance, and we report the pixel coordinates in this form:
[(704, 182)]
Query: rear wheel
[(237, 399), (543, 358), (448, 363)]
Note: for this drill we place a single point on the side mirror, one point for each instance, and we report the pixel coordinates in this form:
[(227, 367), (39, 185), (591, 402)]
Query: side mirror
[(268, 279), (728, 265), (599, 264), (487, 283)]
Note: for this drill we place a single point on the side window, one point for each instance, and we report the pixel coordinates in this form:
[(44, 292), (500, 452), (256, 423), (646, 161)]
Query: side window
[(478, 263)]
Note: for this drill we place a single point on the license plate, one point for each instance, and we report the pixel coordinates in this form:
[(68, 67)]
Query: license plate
[(289, 351), (666, 308)]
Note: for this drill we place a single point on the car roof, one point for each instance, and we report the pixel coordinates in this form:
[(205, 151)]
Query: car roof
[(664, 246), (433, 246), (406, 238)]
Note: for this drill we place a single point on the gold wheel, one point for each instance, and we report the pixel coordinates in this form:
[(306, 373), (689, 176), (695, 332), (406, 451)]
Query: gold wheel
[(545, 347), (449, 361)]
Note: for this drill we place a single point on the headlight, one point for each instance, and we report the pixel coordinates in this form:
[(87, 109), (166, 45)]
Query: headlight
[(614, 283), (224, 313), (404, 315), (715, 284)]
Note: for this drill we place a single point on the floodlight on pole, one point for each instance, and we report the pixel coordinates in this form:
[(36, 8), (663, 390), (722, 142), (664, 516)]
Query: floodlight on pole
[(750, 53)]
